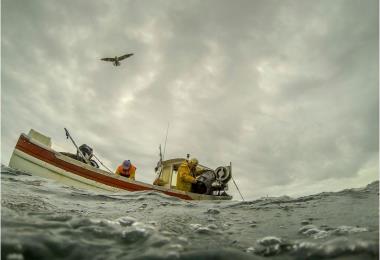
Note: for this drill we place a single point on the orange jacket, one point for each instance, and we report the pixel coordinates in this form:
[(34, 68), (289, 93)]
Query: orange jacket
[(129, 174)]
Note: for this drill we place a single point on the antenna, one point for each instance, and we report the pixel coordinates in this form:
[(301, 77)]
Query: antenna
[(160, 154), (160, 163), (166, 138)]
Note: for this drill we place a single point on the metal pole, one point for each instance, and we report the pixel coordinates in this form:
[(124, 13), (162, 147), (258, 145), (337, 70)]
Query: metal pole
[(161, 167), (160, 154), (235, 182), (79, 151), (162, 157), (166, 138), (102, 163)]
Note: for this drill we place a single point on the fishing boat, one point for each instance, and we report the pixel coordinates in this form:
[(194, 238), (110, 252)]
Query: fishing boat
[(33, 154)]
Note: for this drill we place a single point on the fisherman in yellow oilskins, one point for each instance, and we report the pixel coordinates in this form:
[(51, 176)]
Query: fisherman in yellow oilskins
[(187, 173)]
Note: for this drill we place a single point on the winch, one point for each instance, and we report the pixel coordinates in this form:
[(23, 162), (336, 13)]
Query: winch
[(213, 182)]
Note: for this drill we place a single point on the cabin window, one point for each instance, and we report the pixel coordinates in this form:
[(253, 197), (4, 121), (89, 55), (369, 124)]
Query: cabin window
[(165, 176), (174, 177)]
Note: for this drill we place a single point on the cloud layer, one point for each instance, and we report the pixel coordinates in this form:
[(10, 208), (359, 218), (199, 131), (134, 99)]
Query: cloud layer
[(286, 90)]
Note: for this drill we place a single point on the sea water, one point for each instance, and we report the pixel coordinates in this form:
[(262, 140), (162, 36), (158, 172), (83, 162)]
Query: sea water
[(44, 219)]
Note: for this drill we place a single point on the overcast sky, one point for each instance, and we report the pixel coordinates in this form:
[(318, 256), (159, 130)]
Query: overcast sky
[(288, 91)]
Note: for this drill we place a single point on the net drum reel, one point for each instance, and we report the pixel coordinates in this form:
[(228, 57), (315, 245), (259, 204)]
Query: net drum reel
[(211, 181), (87, 152), (223, 174), (204, 183)]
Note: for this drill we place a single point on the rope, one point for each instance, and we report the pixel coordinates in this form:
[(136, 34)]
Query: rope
[(102, 163)]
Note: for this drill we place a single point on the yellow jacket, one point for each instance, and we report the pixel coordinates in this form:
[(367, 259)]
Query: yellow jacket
[(185, 177)]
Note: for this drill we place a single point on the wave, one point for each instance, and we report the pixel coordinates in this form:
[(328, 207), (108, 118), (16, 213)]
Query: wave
[(42, 219)]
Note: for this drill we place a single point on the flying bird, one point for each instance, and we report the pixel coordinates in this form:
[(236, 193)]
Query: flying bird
[(116, 60)]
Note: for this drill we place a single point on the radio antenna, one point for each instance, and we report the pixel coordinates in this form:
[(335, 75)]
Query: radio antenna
[(166, 138)]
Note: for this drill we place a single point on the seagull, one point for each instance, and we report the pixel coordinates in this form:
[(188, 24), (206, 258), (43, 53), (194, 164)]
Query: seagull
[(116, 60)]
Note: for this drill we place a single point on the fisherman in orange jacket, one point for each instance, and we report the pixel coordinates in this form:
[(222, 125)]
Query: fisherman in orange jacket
[(127, 169)]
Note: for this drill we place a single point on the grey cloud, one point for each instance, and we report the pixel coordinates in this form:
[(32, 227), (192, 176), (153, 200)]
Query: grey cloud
[(286, 90)]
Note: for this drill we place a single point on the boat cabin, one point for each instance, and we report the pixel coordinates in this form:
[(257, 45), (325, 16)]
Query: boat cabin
[(166, 173)]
